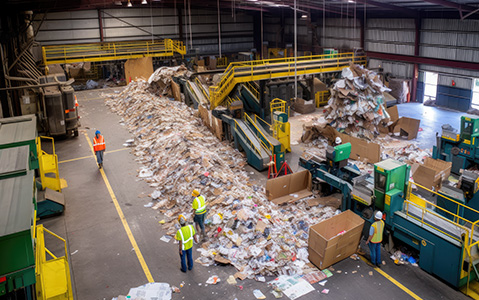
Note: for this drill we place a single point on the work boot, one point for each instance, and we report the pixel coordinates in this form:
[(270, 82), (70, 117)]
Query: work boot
[(204, 237)]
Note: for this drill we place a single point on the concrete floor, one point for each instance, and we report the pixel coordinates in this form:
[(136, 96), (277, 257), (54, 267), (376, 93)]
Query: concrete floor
[(104, 263)]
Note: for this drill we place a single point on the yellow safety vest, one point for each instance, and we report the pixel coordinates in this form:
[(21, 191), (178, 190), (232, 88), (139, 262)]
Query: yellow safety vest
[(199, 204), (185, 235), (378, 232)]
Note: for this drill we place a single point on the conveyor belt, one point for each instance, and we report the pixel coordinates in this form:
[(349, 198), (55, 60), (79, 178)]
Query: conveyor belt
[(438, 222), (264, 154)]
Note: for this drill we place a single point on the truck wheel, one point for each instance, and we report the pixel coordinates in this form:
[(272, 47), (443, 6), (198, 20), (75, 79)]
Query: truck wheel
[(75, 132)]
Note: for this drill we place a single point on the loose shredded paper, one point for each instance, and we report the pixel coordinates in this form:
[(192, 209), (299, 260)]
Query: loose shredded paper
[(179, 154)]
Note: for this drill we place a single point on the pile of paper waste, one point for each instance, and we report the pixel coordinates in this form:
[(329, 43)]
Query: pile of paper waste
[(357, 101), (160, 80), (180, 154)]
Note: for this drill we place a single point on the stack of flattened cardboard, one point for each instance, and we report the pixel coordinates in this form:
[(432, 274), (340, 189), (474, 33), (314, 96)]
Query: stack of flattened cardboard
[(357, 100)]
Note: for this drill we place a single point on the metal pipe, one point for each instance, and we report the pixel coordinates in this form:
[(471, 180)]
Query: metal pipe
[(219, 27), (7, 82), (38, 85), (295, 52), (100, 25)]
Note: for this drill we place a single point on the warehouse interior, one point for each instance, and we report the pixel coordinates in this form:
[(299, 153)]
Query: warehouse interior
[(302, 135)]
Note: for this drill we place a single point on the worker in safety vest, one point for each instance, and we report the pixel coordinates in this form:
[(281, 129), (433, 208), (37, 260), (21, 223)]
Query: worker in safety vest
[(99, 148), (185, 236), (199, 207), (375, 239)]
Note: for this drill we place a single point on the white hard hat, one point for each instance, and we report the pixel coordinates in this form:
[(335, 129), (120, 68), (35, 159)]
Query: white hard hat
[(378, 215), (338, 140)]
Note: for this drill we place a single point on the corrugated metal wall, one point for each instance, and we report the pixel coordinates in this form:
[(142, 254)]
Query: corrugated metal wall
[(450, 39), (397, 69), (342, 33), (390, 36), (83, 27)]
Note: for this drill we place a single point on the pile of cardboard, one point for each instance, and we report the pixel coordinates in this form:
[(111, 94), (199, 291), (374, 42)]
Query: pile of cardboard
[(357, 101), (161, 81), (180, 154)]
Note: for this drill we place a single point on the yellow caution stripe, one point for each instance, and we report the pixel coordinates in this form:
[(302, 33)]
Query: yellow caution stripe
[(90, 156), (394, 281)]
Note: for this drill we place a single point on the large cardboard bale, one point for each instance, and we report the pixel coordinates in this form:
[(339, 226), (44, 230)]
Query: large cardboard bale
[(138, 68)]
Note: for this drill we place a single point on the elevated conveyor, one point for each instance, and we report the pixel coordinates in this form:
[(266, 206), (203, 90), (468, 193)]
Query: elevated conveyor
[(239, 72), (95, 52)]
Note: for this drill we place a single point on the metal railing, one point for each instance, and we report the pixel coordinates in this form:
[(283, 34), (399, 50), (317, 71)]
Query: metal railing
[(253, 90), (41, 260), (62, 54), (265, 143), (237, 127), (287, 68), (468, 227), (321, 98), (48, 165), (201, 87)]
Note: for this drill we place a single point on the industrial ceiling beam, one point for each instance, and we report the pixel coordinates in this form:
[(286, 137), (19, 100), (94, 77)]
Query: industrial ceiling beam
[(425, 60), (445, 3), (403, 10)]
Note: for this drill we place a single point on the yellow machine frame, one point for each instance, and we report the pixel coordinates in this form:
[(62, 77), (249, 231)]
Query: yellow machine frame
[(48, 166), (63, 54), (281, 130), (322, 98), (52, 275)]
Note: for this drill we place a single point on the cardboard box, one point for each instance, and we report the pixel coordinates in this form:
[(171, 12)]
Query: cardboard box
[(289, 188), (431, 173), (327, 245), (406, 127), (303, 106)]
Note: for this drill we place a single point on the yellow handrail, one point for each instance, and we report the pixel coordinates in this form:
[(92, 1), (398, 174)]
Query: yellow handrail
[(452, 200), (252, 89), (246, 137), (110, 51), (227, 83), (201, 87), (424, 211), (260, 133)]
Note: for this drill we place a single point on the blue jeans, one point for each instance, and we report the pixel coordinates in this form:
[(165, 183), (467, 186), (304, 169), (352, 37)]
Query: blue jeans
[(200, 220), (375, 250), (184, 255), (99, 156)]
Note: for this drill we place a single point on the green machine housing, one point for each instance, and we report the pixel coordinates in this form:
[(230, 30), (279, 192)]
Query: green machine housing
[(390, 184), (17, 204)]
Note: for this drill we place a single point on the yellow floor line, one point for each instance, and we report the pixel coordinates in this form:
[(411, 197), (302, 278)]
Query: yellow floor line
[(143, 264), (90, 156), (394, 281)]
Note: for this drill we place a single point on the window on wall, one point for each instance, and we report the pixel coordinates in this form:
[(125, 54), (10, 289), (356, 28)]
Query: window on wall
[(430, 86), (475, 93)]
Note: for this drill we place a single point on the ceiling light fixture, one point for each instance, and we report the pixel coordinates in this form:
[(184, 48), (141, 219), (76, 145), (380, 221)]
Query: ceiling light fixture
[(144, 2), (304, 16), (129, 4)]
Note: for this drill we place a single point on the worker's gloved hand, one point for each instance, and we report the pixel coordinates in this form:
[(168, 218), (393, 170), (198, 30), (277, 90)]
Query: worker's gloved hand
[(181, 252)]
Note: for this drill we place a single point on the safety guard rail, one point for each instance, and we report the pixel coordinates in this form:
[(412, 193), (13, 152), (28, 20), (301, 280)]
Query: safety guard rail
[(327, 63), (261, 137), (62, 54), (51, 282)]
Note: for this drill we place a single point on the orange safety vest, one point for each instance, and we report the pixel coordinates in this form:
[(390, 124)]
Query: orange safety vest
[(98, 144)]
